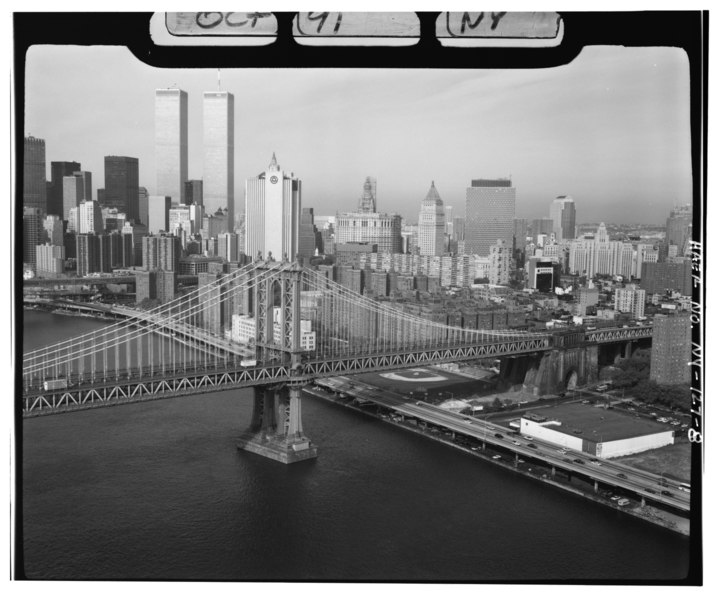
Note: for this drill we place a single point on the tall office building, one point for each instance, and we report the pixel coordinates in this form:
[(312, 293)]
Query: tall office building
[(431, 224), (34, 184), (562, 213), (171, 143), (159, 213), (489, 214), (143, 205), (671, 349), (122, 190), (161, 252), (272, 213), (307, 239), (50, 260), (59, 170), (90, 218), (194, 192), (449, 221), (53, 226), (32, 233), (679, 226), (77, 188), (218, 185)]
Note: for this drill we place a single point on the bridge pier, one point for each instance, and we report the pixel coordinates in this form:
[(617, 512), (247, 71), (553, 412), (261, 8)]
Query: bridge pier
[(276, 427)]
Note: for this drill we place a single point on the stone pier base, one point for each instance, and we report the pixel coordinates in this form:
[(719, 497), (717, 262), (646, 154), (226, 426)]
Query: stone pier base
[(276, 428)]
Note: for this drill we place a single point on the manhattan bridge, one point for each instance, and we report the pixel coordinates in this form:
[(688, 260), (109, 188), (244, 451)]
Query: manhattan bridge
[(179, 348)]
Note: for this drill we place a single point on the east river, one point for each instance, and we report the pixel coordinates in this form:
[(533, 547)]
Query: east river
[(158, 490)]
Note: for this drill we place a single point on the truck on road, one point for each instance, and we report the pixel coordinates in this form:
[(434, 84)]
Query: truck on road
[(55, 384)]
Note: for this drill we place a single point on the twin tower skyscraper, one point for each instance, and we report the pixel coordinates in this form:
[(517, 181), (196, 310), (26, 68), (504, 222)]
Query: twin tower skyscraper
[(171, 148)]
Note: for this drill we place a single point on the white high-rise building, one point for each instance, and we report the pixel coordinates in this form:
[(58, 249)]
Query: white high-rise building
[(90, 218), (630, 299), (171, 143), (489, 214), (219, 153), (431, 224), (272, 213), (562, 213)]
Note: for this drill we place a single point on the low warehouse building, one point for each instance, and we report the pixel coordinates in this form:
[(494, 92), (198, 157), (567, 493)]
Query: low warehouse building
[(599, 432)]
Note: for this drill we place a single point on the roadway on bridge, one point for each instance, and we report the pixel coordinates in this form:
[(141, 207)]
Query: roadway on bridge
[(643, 483)]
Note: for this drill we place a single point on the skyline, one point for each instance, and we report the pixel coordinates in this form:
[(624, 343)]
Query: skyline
[(613, 125)]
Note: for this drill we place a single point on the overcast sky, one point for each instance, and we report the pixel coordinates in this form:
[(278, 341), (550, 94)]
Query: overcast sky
[(611, 129)]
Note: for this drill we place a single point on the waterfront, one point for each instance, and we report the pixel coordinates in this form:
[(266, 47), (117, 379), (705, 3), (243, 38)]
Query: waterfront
[(158, 490)]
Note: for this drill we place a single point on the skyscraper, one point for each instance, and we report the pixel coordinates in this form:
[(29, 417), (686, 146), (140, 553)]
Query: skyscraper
[(121, 185), (59, 170), (76, 189), (159, 213), (218, 186), (194, 192), (562, 212), (143, 205), (431, 224), (90, 218), (489, 214), (171, 143), (32, 234), (679, 225), (34, 184), (272, 213)]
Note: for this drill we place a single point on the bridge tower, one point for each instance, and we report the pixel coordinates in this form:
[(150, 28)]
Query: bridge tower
[(276, 428)]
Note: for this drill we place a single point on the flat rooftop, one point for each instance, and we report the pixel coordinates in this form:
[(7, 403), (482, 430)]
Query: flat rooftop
[(598, 424)]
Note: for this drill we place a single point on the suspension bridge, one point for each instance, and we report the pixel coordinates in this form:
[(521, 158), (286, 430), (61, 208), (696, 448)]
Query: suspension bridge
[(288, 326)]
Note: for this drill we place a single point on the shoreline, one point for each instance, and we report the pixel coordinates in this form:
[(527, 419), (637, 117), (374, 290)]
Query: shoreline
[(649, 514)]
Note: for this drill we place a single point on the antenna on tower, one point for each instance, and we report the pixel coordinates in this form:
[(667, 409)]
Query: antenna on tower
[(219, 88)]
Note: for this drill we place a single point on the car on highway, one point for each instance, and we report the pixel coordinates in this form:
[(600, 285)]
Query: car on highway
[(467, 420), (666, 493), (595, 463), (578, 461), (492, 428), (498, 435), (614, 497), (562, 451), (623, 501), (516, 443), (532, 445), (527, 437), (621, 475), (497, 457), (649, 491)]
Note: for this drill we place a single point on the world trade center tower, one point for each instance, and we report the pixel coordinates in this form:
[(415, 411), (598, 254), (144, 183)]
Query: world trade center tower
[(171, 143), (219, 154)]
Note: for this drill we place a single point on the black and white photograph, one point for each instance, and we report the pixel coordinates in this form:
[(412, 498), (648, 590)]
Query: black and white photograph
[(396, 297)]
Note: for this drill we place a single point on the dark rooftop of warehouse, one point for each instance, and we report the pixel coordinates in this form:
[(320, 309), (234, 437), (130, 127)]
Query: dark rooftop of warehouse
[(598, 424)]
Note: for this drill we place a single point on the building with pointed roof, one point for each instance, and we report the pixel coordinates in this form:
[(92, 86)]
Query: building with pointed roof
[(272, 213), (368, 226), (431, 224)]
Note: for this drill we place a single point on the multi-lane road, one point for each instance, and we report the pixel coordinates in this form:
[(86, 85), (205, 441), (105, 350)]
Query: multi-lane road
[(644, 484)]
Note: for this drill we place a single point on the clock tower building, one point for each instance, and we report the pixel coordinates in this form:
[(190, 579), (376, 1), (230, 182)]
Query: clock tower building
[(272, 214)]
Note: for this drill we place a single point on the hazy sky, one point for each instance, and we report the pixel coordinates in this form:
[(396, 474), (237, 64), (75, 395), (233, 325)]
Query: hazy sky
[(611, 129)]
